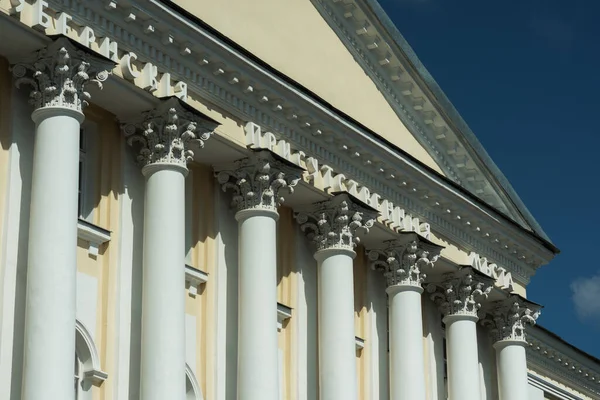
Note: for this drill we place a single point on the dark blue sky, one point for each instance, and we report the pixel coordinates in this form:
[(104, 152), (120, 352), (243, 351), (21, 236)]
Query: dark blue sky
[(524, 74)]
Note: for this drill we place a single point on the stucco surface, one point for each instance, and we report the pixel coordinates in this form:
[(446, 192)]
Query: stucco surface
[(292, 37)]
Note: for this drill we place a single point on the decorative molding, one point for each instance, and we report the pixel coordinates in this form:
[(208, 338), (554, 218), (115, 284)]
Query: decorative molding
[(283, 314), (394, 76), (168, 133), (92, 234), (460, 292), (88, 354), (195, 386), (550, 388), (60, 73), (403, 260), (336, 223), (194, 278), (359, 342), (259, 180), (544, 355), (396, 177), (508, 318)]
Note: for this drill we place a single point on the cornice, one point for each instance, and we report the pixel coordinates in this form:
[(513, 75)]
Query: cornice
[(546, 357), (228, 78), (407, 96)]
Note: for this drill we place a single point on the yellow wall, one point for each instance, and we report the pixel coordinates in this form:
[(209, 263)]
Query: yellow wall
[(361, 322), (292, 37), (106, 215), (203, 257), (287, 288)]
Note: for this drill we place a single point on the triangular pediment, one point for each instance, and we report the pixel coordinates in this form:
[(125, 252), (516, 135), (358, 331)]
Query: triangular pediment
[(386, 57), (349, 54), (292, 37)]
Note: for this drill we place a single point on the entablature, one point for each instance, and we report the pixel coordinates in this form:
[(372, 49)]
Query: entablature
[(164, 52), (552, 357)]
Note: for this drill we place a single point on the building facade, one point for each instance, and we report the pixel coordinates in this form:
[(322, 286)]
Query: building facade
[(254, 200)]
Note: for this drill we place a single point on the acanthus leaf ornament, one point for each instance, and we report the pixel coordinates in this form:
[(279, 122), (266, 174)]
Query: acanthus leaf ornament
[(259, 181), (461, 292), (507, 319), (60, 73), (337, 222), (403, 260), (168, 134)]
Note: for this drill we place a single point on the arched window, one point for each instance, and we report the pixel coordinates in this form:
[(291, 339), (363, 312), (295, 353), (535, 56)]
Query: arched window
[(87, 363), (192, 388)]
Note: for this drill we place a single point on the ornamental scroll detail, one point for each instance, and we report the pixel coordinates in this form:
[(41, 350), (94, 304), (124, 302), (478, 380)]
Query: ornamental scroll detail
[(461, 292), (59, 75), (168, 134), (259, 181), (507, 319), (336, 223), (403, 262)]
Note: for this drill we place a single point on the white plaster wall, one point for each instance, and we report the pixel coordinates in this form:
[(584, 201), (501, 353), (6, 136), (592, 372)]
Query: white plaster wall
[(226, 298), (306, 318), (87, 301), (535, 393), (434, 351), (378, 336), (129, 280), (488, 382), (190, 342), (13, 250)]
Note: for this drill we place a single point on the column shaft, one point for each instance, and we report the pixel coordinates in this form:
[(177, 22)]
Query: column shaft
[(49, 347), (407, 368), (257, 310), (511, 362), (463, 360), (163, 296), (337, 348)]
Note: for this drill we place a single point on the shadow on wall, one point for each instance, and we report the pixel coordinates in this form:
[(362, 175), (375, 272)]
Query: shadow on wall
[(21, 146)]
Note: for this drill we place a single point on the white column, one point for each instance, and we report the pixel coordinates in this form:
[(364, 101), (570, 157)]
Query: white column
[(337, 348), (507, 320), (163, 140), (333, 226), (402, 262), (58, 74), (458, 297), (257, 183)]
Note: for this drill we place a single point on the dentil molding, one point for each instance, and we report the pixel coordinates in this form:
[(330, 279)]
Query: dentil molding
[(167, 41)]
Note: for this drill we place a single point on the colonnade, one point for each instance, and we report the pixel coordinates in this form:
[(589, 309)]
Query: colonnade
[(164, 140)]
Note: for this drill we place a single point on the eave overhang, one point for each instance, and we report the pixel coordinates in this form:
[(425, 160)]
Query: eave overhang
[(309, 124), (411, 91)]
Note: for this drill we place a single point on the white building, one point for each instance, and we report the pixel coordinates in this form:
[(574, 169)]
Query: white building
[(275, 200)]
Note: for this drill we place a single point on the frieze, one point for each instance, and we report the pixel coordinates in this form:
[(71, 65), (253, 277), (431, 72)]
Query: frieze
[(231, 88)]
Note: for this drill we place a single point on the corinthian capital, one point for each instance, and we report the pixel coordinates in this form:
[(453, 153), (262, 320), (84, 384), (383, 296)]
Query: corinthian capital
[(507, 319), (402, 261), (259, 181), (337, 222), (168, 134), (60, 73), (460, 293)]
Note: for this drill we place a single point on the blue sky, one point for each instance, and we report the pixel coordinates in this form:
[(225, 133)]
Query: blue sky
[(525, 75)]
